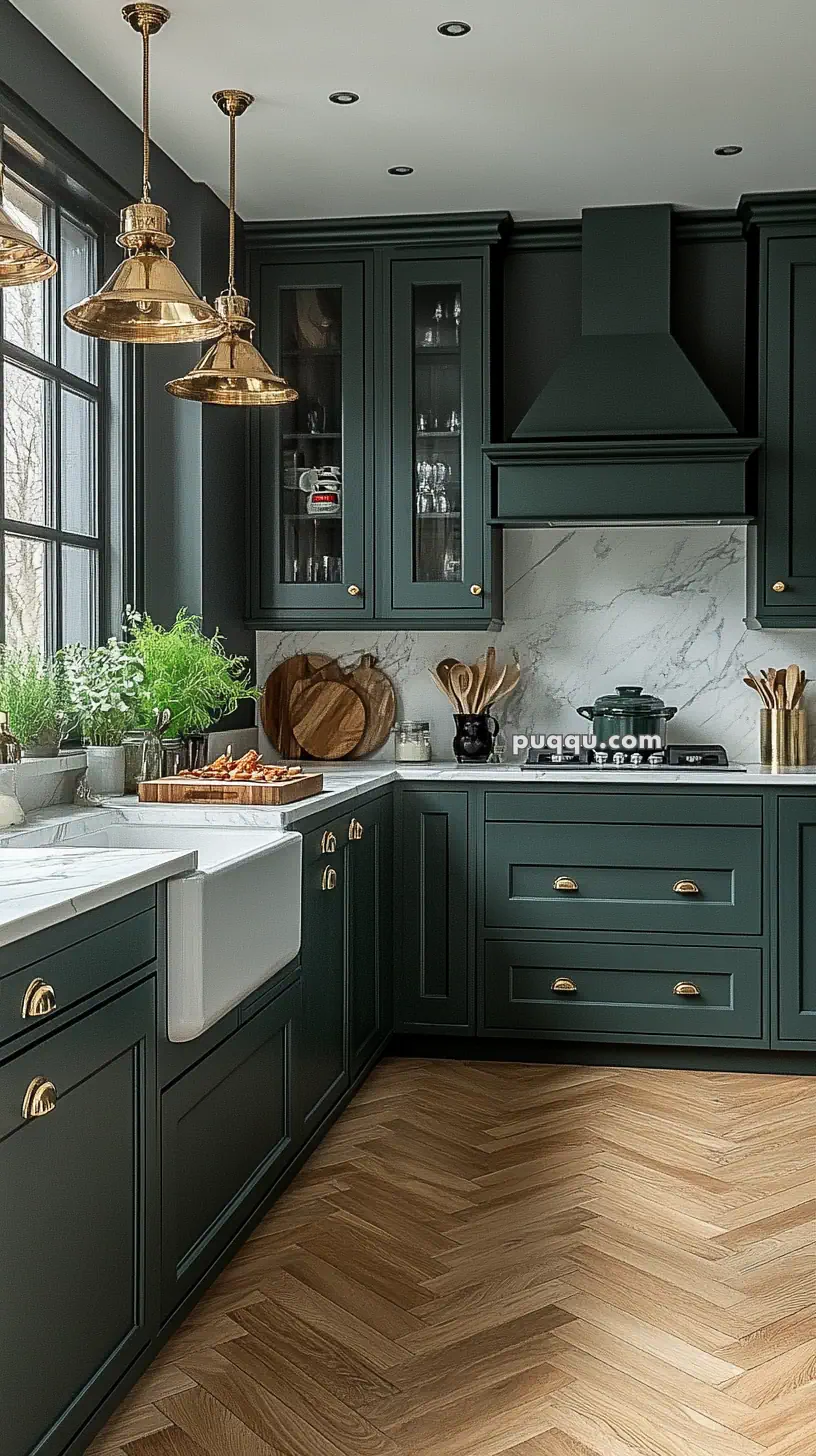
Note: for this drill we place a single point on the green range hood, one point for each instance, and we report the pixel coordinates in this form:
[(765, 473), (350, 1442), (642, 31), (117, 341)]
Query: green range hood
[(625, 430)]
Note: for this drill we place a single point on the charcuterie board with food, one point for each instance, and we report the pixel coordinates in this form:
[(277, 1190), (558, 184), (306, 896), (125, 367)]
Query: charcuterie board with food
[(246, 780)]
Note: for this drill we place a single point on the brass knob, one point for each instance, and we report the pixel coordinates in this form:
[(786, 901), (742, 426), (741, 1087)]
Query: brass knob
[(355, 829), (328, 843), (329, 878), (565, 883), (40, 1098), (354, 591), (686, 988), (779, 586), (563, 984), (476, 590), (686, 887), (39, 999)]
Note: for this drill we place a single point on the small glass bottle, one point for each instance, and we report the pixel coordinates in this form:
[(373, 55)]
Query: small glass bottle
[(10, 750), (412, 742)]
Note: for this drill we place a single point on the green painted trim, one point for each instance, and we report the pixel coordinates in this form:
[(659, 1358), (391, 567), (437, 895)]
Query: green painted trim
[(758, 209), (687, 1058), (423, 229), (554, 452)]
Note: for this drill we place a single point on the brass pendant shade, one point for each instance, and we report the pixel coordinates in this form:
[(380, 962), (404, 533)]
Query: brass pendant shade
[(22, 260), (147, 300), (233, 371)]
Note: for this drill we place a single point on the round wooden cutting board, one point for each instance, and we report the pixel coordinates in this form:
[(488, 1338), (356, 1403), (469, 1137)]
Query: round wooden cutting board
[(275, 699), (380, 702), (327, 719)]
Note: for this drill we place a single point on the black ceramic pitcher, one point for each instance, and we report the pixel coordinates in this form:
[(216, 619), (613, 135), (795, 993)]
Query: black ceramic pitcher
[(473, 741)]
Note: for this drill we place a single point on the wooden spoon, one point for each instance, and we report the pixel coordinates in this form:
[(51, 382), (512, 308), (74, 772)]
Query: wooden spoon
[(441, 683), (511, 681), (494, 687), (760, 686), (461, 681), (479, 671), (791, 683)]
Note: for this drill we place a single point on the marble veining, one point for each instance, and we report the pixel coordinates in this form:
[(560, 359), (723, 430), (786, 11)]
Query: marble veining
[(587, 609)]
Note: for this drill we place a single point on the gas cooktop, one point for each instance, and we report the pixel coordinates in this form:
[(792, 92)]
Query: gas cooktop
[(674, 756)]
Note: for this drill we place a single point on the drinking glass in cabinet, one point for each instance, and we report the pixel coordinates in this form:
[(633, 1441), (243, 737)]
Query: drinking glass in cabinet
[(311, 435)]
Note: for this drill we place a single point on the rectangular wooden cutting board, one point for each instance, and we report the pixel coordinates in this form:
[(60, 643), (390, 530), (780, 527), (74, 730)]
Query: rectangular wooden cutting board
[(229, 791)]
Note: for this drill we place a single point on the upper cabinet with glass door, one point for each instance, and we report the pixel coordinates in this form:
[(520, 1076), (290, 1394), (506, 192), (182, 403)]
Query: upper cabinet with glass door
[(311, 457), (369, 497)]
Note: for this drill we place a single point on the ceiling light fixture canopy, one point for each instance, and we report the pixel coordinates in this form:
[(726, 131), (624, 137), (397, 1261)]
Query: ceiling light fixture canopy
[(147, 300), (22, 260), (233, 371)]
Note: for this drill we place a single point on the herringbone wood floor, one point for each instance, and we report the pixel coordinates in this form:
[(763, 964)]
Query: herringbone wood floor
[(484, 1258)]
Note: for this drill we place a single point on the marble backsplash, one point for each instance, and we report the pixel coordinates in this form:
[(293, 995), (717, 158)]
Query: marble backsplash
[(587, 609)]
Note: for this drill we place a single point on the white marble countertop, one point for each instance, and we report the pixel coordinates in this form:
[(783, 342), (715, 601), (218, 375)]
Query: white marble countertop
[(44, 886), (344, 782)]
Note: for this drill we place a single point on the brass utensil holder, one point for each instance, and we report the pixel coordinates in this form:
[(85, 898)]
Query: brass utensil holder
[(783, 737)]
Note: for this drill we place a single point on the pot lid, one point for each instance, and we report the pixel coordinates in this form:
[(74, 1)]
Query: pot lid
[(630, 700)]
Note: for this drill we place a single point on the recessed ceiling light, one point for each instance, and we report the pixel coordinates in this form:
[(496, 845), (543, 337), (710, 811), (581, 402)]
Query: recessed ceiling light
[(727, 151), (400, 171), (454, 28), (344, 98)]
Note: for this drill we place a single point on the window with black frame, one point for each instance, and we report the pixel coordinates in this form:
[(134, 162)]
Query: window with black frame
[(55, 479)]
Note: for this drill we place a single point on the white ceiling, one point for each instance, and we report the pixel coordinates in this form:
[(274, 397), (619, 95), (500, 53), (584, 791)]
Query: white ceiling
[(547, 106)]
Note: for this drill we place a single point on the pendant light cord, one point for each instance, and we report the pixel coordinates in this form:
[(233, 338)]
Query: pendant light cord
[(145, 114), (231, 283)]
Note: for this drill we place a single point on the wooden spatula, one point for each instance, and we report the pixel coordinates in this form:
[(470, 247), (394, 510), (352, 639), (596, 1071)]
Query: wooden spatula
[(461, 681)]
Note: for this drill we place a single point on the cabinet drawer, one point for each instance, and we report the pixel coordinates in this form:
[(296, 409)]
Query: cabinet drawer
[(622, 989), (624, 877), (621, 805), (69, 974)]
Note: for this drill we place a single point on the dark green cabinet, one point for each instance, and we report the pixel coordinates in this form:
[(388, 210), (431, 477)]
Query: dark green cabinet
[(784, 588), (796, 976), (323, 1064), (369, 883), (435, 980), (390, 348), (78, 1255), (310, 555), (228, 1129)]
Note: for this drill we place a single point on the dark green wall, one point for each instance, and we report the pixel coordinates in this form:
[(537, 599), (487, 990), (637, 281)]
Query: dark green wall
[(193, 459)]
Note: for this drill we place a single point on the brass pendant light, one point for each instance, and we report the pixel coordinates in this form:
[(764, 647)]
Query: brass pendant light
[(22, 260), (233, 371), (147, 300)]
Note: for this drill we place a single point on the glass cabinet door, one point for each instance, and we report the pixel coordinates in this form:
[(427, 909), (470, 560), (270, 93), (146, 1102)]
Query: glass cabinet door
[(437, 429), (312, 454)]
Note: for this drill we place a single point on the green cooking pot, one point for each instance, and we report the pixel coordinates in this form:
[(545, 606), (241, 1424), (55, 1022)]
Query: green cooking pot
[(628, 713)]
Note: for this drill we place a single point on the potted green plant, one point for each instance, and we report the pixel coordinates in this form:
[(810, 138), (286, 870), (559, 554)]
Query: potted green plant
[(33, 693), (103, 684), (185, 675)]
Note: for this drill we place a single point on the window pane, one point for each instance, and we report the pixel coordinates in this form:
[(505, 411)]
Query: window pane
[(24, 308), (78, 464), (78, 279), (79, 595), (24, 444), (25, 592)]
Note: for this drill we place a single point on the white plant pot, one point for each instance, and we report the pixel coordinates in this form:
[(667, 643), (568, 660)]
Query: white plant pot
[(106, 771)]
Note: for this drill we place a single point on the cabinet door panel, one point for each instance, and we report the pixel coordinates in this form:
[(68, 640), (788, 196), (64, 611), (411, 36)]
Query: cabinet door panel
[(437, 428), (77, 1274), (789, 384), (434, 987), (227, 1131), (323, 1064), (369, 869), (797, 919), (312, 550)]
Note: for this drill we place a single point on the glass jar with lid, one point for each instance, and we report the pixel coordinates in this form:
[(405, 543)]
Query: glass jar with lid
[(412, 742)]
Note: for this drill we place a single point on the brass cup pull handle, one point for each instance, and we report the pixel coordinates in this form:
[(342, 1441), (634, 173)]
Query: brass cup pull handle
[(40, 1098), (39, 1000), (354, 591), (329, 881), (686, 988), (476, 590), (563, 985), (564, 882), (328, 843), (686, 887), (355, 829)]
